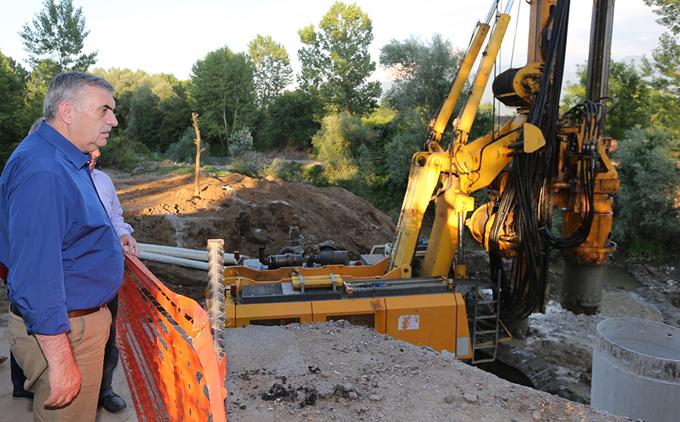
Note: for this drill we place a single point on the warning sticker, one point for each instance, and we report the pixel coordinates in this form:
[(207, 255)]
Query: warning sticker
[(409, 322)]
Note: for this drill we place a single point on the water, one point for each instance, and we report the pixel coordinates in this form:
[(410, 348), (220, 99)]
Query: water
[(618, 278)]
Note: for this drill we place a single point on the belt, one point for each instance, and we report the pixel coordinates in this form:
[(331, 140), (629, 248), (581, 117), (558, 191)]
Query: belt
[(71, 314)]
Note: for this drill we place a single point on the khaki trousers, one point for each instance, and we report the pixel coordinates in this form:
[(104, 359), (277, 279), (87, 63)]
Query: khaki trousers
[(88, 336)]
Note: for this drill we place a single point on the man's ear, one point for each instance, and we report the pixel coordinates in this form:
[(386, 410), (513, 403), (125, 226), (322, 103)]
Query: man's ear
[(65, 112)]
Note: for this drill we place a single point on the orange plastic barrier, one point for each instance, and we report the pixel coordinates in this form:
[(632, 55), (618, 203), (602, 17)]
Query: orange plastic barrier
[(167, 351)]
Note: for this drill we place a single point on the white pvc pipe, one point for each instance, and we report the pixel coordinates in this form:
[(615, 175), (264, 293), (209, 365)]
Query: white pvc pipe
[(166, 259), (192, 254)]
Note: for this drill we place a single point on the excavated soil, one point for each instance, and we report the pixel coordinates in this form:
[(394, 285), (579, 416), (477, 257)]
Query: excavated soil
[(339, 372), (248, 214)]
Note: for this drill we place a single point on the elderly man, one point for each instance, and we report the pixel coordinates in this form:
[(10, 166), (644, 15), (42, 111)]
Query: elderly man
[(64, 258)]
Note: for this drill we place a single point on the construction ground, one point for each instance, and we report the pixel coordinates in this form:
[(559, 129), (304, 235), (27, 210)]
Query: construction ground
[(336, 371)]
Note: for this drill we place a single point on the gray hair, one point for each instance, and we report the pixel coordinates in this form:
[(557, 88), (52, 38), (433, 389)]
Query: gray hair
[(66, 86)]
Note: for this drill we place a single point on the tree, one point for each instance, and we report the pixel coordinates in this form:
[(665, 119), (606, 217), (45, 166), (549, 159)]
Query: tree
[(669, 10), (222, 87), (272, 68), (36, 87), (13, 123), (58, 33), (632, 94), (290, 121), (646, 218), (422, 74), (335, 60), (664, 68)]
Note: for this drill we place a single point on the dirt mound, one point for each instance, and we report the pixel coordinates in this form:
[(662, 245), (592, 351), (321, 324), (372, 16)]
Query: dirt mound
[(248, 213), (337, 371)]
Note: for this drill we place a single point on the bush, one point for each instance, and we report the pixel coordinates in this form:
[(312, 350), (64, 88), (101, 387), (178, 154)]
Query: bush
[(646, 218), (283, 169), (240, 142), (339, 137), (314, 174), (184, 150), (123, 153), (244, 159)]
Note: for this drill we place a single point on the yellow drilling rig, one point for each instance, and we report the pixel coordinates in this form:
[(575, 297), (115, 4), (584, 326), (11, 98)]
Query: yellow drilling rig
[(534, 167)]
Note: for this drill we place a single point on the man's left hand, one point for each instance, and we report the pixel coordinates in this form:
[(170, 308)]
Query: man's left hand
[(129, 244)]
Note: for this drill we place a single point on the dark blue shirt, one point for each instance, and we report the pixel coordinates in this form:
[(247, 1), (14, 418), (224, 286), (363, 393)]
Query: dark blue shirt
[(55, 237)]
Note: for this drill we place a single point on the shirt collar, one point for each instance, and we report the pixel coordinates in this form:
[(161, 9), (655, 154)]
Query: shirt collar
[(72, 153)]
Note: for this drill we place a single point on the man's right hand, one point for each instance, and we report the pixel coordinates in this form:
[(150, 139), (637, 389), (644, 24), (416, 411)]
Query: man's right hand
[(63, 373)]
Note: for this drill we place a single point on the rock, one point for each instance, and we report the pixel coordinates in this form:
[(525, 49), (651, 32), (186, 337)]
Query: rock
[(450, 399), (348, 387), (537, 415), (471, 398), (448, 355), (352, 395)]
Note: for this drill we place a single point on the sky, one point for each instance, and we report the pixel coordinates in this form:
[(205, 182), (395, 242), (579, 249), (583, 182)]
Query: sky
[(169, 36)]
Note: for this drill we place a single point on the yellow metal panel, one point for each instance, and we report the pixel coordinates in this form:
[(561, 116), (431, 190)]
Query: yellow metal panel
[(425, 320), (229, 313), (423, 179), (533, 138), (324, 310), (463, 343), (273, 313)]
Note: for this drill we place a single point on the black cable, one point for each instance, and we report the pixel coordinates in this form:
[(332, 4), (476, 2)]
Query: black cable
[(524, 203)]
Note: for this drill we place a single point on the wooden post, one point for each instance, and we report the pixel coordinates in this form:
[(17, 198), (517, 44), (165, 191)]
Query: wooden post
[(197, 141)]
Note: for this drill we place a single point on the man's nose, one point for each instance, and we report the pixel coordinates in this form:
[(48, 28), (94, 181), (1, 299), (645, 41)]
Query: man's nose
[(111, 119)]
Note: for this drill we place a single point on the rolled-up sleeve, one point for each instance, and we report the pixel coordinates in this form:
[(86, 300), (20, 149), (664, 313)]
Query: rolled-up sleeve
[(37, 223)]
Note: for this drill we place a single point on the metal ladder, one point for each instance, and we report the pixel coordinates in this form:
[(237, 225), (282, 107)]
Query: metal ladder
[(485, 323)]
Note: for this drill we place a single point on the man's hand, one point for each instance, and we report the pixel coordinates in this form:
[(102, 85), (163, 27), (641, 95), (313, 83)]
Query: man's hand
[(129, 244), (62, 371)]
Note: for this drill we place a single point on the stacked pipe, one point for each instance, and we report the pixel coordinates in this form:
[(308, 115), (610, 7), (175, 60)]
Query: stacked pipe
[(190, 258)]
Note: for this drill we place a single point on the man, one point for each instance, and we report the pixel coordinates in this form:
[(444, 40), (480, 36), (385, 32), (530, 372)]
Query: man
[(65, 261), (108, 399)]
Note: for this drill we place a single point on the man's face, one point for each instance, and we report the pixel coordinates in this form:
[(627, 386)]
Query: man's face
[(92, 118)]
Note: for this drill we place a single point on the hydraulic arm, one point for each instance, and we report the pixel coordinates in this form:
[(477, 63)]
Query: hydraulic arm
[(535, 162)]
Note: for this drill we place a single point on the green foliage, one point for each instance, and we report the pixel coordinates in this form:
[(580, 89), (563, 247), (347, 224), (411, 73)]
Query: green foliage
[(633, 96), (290, 121), (244, 159), (223, 90), (241, 142), (57, 33), (151, 109), (336, 62), (669, 10), (423, 74), (314, 174), (398, 152), (293, 171), (36, 87), (13, 123), (340, 135), (283, 169), (663, 70), (123, 153), (646, 217), (272, 68), (184, 150)]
